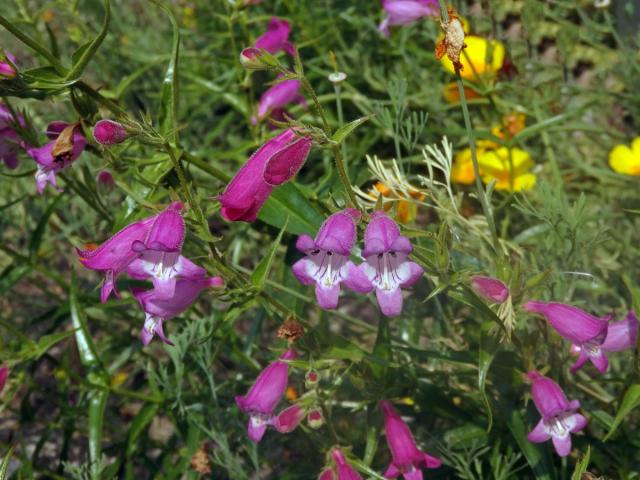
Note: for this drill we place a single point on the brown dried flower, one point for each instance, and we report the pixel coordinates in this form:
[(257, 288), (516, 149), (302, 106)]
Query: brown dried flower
[(291, 330), (200, 461), (453, 42)]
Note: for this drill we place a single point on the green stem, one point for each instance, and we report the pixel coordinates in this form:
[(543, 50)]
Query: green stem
[(344, 177), (325, 124)]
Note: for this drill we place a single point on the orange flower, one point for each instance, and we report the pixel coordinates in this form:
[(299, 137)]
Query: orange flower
[(405, 210)]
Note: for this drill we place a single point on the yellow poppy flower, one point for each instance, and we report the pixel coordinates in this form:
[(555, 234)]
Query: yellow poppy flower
[(509, 167), (625, 160), (474, 58), (405, 210), (462, 170)]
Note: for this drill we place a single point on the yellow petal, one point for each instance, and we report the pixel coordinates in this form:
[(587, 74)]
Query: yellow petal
[(622, 160), (474, 58), (497, 163), (462, 171)]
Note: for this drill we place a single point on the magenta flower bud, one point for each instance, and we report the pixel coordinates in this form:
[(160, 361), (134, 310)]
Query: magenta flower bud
[(315, 419), (108, 132), (7, 66), (386, 263), (278, 97), (250, 59), (311, 379), (559, 418), (407, 458), (264, 395), (159, 308), (274, 163), (341, 470), (406, 12), (106, 180), (276, 37), (10, 141), (491, 289), (622, 335), (114, 255), (288, 419), (326, 264), (583, 330), (4, 374), (49, 162)]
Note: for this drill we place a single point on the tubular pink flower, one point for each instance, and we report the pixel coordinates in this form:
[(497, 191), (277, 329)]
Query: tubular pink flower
[(559, 418), (491, 289), (10, 141), (108, 132), (276, 37), (115, 254), (4, 374), (263, 397), (622, 335), (585, 331), (407, 458), (7, 68), (327, 263), (48, 164), (342, 470), (279, 96), (288, 419), (386, 262), (159, 308), (274, 163), (405, 12)]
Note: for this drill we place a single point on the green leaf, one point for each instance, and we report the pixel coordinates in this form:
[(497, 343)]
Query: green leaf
[(630, 401), (38, 233), (261, 272), (4, 467), (140, 422), (11, 275), (34, 350), (288, 202), (344, 131), (489, 346), (538, 463), (87, 352), (582, 465), (85, 53), (170, 86)]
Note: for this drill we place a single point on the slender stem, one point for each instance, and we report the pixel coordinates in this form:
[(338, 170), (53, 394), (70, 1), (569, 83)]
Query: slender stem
[(338, 91), (344, 177), (325, 124)]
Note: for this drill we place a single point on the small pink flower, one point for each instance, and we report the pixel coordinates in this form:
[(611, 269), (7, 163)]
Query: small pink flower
[(10, 141), (406, 12), (49, 163), (491, 289), (4, 374), (105, 179), (276, 37), (341, 470), (559, 418), (585, 331), (274, 163), (407, 458), (263, 397), (276, 98), (7, 66), (327, 263), (387, 264), (108, 132)]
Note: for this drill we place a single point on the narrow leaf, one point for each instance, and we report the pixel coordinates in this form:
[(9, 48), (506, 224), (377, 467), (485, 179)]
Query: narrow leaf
[(582, 465), (344, 131), (261, 272), (287, 201), (170, 87), (630, 401)]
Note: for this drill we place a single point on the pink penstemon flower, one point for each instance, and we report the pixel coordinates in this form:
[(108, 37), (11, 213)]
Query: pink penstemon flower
[(276, 98), (276, 37), (274, 163), (489, 288), (66, 145), (406, 12), (386, 262), (407, 459), (583, 330), (327, 263), (621, 335), (117, 253), (559, 418), (159, 308), (341, 469), (7, 66), (10, 141), (263, 397)]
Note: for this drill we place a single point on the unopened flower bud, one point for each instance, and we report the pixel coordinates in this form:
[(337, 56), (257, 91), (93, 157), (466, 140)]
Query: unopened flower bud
[(7, 69), (489, 288), (337, 77), (311, 379), (315, 419), (105, 179), (253, 58), (108, 132)]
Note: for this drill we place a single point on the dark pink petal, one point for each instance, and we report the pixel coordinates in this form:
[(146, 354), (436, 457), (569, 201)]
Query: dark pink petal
[(391, 472), (413, 474), (287, 162), (570, 322), (327, 474), (345, 470), (399, 438), (622, 335), (539, 434), (185, 293), (380, 234), (278, 97), (256, 429), (562, 445), (288, 419), (582, 359), (167, 231), (4, 374), (600, 361), (105, 178), (276, 37), (431, 461), (547, 395), (305, 243), (491, 289), (356, 280), (55, 128), (337, 234)]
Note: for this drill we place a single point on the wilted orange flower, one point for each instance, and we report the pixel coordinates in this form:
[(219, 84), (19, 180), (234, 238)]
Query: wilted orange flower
[(453, 42)]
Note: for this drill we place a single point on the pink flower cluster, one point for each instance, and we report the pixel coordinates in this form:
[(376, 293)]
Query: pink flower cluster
[(151, 249), (386, 267)]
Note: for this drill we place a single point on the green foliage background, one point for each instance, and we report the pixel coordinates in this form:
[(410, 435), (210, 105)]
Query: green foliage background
[(85, 400)]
